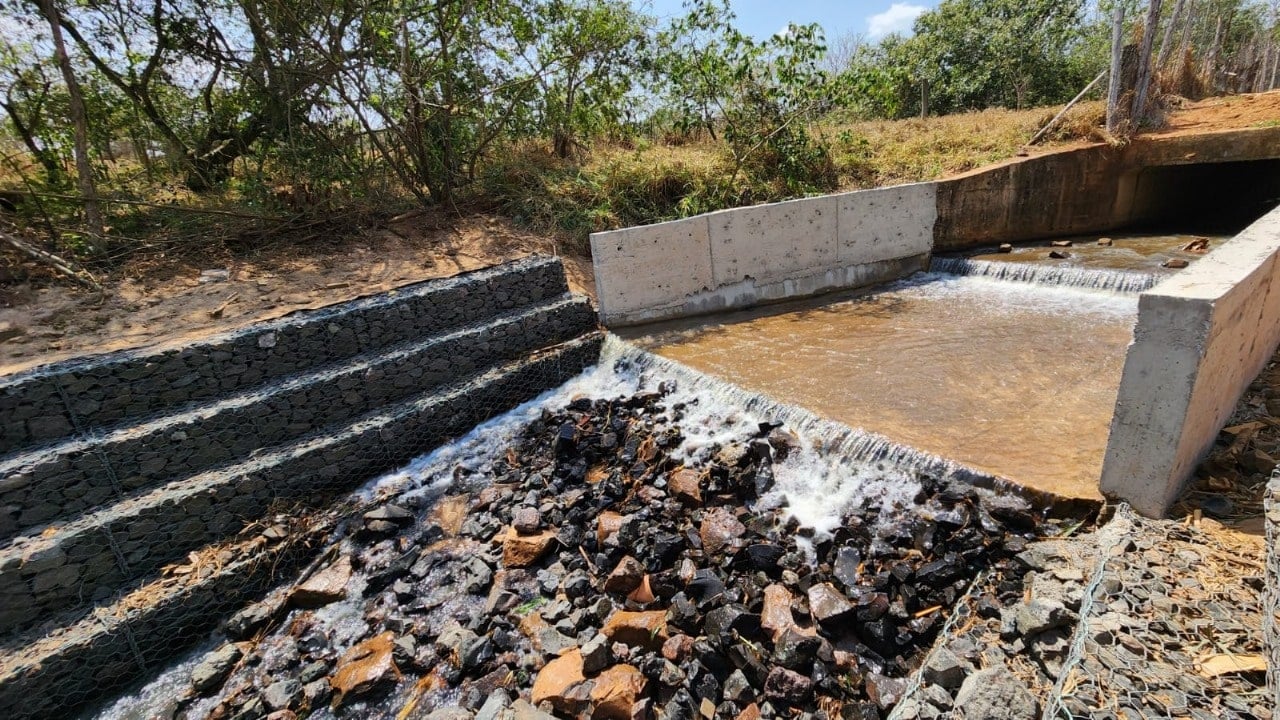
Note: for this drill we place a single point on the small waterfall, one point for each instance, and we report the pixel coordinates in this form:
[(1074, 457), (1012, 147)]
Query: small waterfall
[(1117, 281), (844, 444)]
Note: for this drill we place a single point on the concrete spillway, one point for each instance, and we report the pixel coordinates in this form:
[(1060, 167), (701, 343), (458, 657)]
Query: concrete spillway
[(1012, 379)]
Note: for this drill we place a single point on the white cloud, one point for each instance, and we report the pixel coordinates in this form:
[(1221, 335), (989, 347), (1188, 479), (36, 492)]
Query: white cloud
[(897, 19)]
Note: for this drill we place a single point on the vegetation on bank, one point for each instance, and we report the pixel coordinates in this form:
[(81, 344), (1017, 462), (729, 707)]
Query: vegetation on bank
[(148, 129)]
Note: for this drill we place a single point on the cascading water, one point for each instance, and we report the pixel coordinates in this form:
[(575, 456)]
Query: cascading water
[(1107, 280), (833, 469)]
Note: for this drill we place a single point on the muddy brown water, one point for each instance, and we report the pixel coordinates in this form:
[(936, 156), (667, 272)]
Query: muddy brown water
[(1012, 379), (1134, 253)]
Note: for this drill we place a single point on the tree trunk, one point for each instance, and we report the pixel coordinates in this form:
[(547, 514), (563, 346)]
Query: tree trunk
[(84, 172), (1166, 44), (1113, 85), (1143, 88), (49, 160)]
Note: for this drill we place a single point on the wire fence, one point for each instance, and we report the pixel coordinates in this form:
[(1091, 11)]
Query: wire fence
[(1171, 626)]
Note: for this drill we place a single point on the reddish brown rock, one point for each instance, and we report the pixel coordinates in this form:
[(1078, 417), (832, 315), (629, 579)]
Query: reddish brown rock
[(616, 691), (750, 712), (720, 528), (686, 486), (678, 648), (639, 629), (776, 614), (561, 683), (1106, 242), (1175, 263), (524, 550), (1059, 255), (626, 577), (607, 523), (363, 667), (327, 586)]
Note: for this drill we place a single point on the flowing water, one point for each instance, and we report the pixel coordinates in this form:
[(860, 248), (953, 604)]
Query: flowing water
[(1114, 280), (1013, 379), (1131, 253), (834, 469)]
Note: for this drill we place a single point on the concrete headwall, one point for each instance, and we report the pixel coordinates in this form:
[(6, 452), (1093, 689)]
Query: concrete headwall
[(1201, 338), (1100, 188), (747, 256)]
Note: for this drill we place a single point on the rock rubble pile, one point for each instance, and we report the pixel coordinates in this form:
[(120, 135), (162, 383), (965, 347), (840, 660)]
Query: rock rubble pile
[(595, 570)]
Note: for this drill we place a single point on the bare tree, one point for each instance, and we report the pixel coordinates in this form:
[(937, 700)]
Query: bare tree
[(84, 171), (1113, 85), (1144, 61)]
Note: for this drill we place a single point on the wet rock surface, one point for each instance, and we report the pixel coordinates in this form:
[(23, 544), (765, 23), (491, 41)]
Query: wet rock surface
[(599, 570)]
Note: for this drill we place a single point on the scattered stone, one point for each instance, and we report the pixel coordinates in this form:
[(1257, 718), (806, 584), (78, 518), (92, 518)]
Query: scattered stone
[(1061, 243), (520, 551), (526, 520), (215, 668), (720, 528), (559, 683), (995, 694), (787, 687), (626, 577), (1175, 263), (1059, 255), (616, 691), (1004, 248), (827, 605), (686, 486), (596, 655), (363, 667), (607, 525), (1106, 242), (885, 692), (776, 615), (494, 706), (1039, 615), (637, 629), (678, 648), (280, 694), (327, 586), (946, 669)]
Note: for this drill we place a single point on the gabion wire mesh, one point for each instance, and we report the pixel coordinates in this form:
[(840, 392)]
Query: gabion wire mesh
[(1271, 595), (122, 544), (1165, 632)]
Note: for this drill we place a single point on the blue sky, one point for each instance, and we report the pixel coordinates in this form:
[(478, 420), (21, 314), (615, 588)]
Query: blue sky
[(762, 18)]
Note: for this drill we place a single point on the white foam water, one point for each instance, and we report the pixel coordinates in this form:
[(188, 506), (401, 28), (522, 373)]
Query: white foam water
[(1110, 280)]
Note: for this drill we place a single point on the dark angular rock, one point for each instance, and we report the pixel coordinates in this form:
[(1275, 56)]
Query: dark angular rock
[(884, 691), (796, 650), (787, 687)]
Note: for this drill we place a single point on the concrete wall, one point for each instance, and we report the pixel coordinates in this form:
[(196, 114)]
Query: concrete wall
[(1094, 189), (747, 256), (1201, 338)]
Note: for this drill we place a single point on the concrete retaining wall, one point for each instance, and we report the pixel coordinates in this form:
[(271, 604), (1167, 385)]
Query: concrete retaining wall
[(1201, 338), (747, 256), (1099, 189)]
